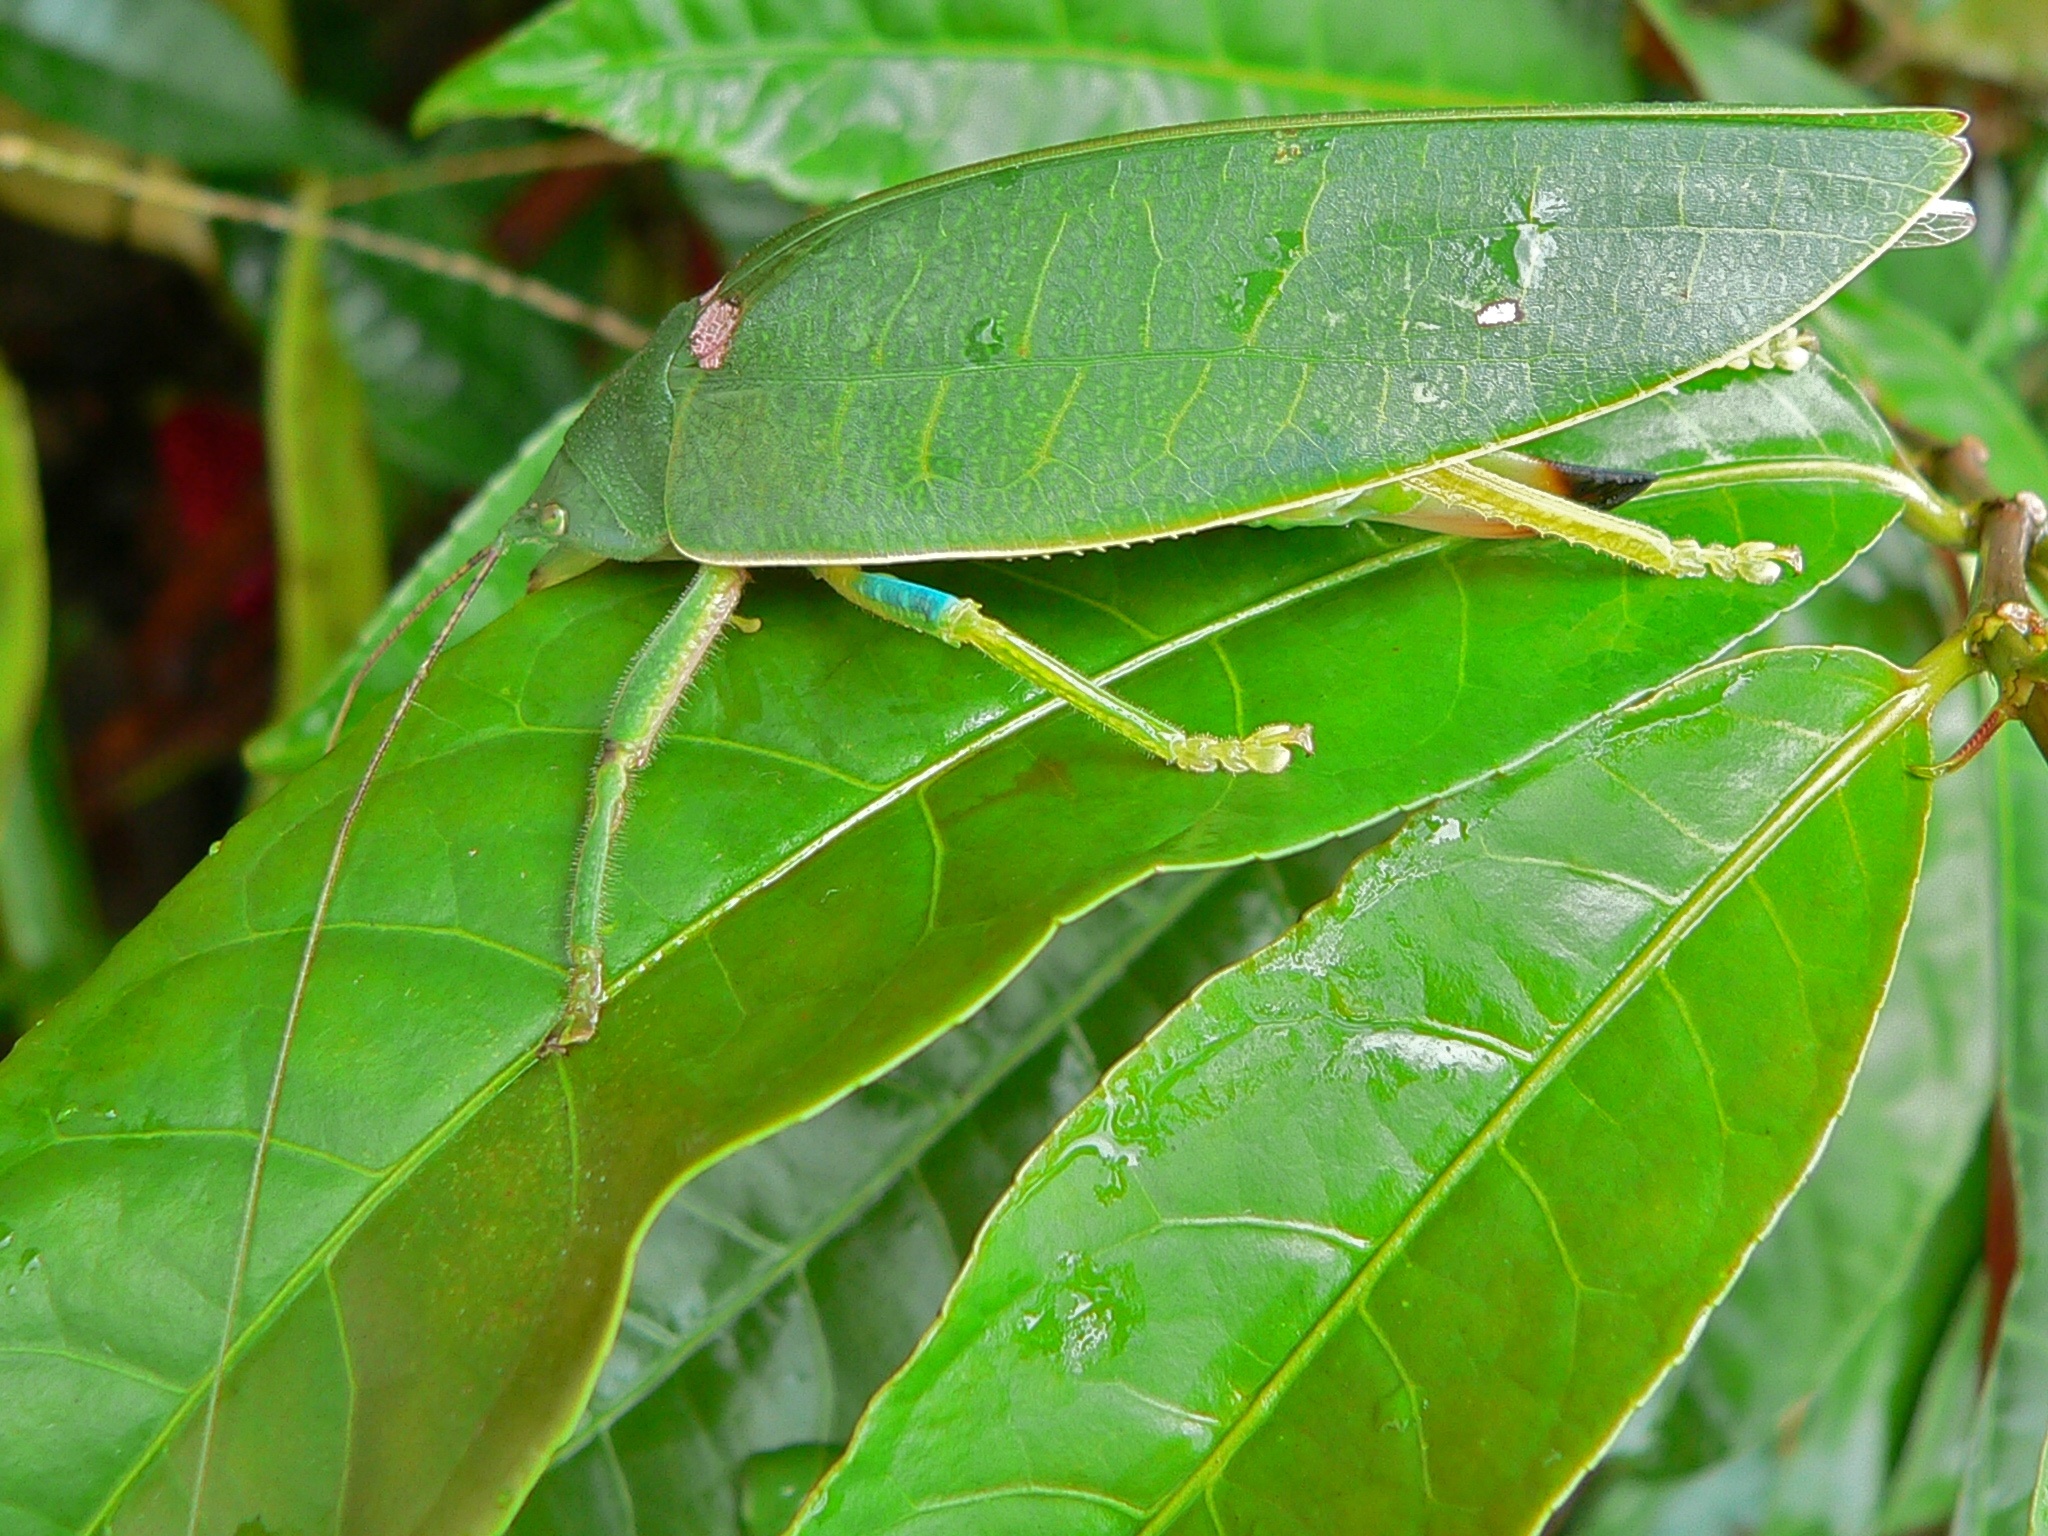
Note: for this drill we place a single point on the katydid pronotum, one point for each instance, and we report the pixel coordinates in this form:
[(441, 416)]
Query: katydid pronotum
[(1284, 323)]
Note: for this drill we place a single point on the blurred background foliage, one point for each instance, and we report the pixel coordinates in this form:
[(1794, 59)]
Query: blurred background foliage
[(217, 443)]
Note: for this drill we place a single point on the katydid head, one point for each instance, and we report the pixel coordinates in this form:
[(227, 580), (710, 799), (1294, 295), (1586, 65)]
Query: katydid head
[(573, 513)]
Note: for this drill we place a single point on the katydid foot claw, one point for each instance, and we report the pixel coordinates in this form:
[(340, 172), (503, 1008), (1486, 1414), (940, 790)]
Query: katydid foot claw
[(1752, 561), (577, 1021), (1269, 749)]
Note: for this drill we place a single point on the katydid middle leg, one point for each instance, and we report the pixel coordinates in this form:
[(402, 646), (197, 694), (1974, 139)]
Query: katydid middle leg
[(960, 621), (654, 686)]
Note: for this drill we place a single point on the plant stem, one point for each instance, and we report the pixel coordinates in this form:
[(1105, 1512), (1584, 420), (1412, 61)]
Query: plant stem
[(18, 152)]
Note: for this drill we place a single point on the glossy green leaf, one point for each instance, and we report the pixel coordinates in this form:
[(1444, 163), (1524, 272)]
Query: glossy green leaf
[(2017, 316), (1728, 62), (297, 741), (170, 77), (1929, 1474), (742, 1332), (1846, 1246), (1389, 1227), (1896, 600), (850, 838), (826, 103), (1188, 328), (2004, 1472), (324, 495), (1924, 377), (24, 588)]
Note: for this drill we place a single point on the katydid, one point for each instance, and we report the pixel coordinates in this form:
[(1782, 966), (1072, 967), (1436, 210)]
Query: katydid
[(1289, 323), (966, 367)]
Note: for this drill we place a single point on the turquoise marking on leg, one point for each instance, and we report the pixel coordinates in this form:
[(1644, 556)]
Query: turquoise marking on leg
[(919, 607)]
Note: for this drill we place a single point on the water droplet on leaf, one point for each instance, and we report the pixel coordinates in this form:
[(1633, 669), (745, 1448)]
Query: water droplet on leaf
[(985, 341), (1083, 1314)]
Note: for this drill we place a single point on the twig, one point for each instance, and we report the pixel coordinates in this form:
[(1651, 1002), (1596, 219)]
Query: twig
[(484, 165), (18, 152)]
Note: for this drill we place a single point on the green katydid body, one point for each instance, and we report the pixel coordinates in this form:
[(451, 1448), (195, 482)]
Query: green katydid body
[(995, 363)]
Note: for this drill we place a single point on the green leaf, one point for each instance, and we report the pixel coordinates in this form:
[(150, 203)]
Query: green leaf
[(850, 838), (1895, 600), (166, 77), (828, 103), (739, 1334), (1846, 1246), (1923, 377), (1221, 323), (2000, 1484), (323, 480), (1389, 1227), (1728, 62), (24, 588), (1929, 1474), (2016, 317)]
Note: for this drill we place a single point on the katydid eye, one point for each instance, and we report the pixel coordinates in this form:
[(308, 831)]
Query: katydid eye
[(554, 520)]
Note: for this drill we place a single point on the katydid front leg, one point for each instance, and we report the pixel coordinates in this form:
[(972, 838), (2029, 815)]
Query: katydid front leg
[(654, 686), (960, 621)]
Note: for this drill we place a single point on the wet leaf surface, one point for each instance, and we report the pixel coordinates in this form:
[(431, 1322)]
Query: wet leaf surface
[(1389, 1227)]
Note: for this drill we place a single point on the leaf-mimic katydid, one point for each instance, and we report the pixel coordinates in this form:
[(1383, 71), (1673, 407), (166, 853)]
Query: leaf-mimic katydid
[(1287, 323)]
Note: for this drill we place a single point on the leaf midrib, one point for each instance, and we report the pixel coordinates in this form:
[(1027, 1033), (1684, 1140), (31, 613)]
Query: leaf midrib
[(1828, 774), (400, 1171)]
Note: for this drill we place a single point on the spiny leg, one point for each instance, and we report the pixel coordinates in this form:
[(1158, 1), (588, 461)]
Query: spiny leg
[(654, 685), (959, 621), (1496, 497)]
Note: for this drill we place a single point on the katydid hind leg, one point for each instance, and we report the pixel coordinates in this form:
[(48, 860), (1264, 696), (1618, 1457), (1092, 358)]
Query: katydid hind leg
[(960, 621), (653, 688), (1480, 490)]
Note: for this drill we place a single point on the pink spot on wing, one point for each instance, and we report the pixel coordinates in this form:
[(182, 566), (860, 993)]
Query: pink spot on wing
[(711, 337)]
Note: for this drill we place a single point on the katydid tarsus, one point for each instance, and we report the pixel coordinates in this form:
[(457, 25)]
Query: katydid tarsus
[(1285, 323)]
